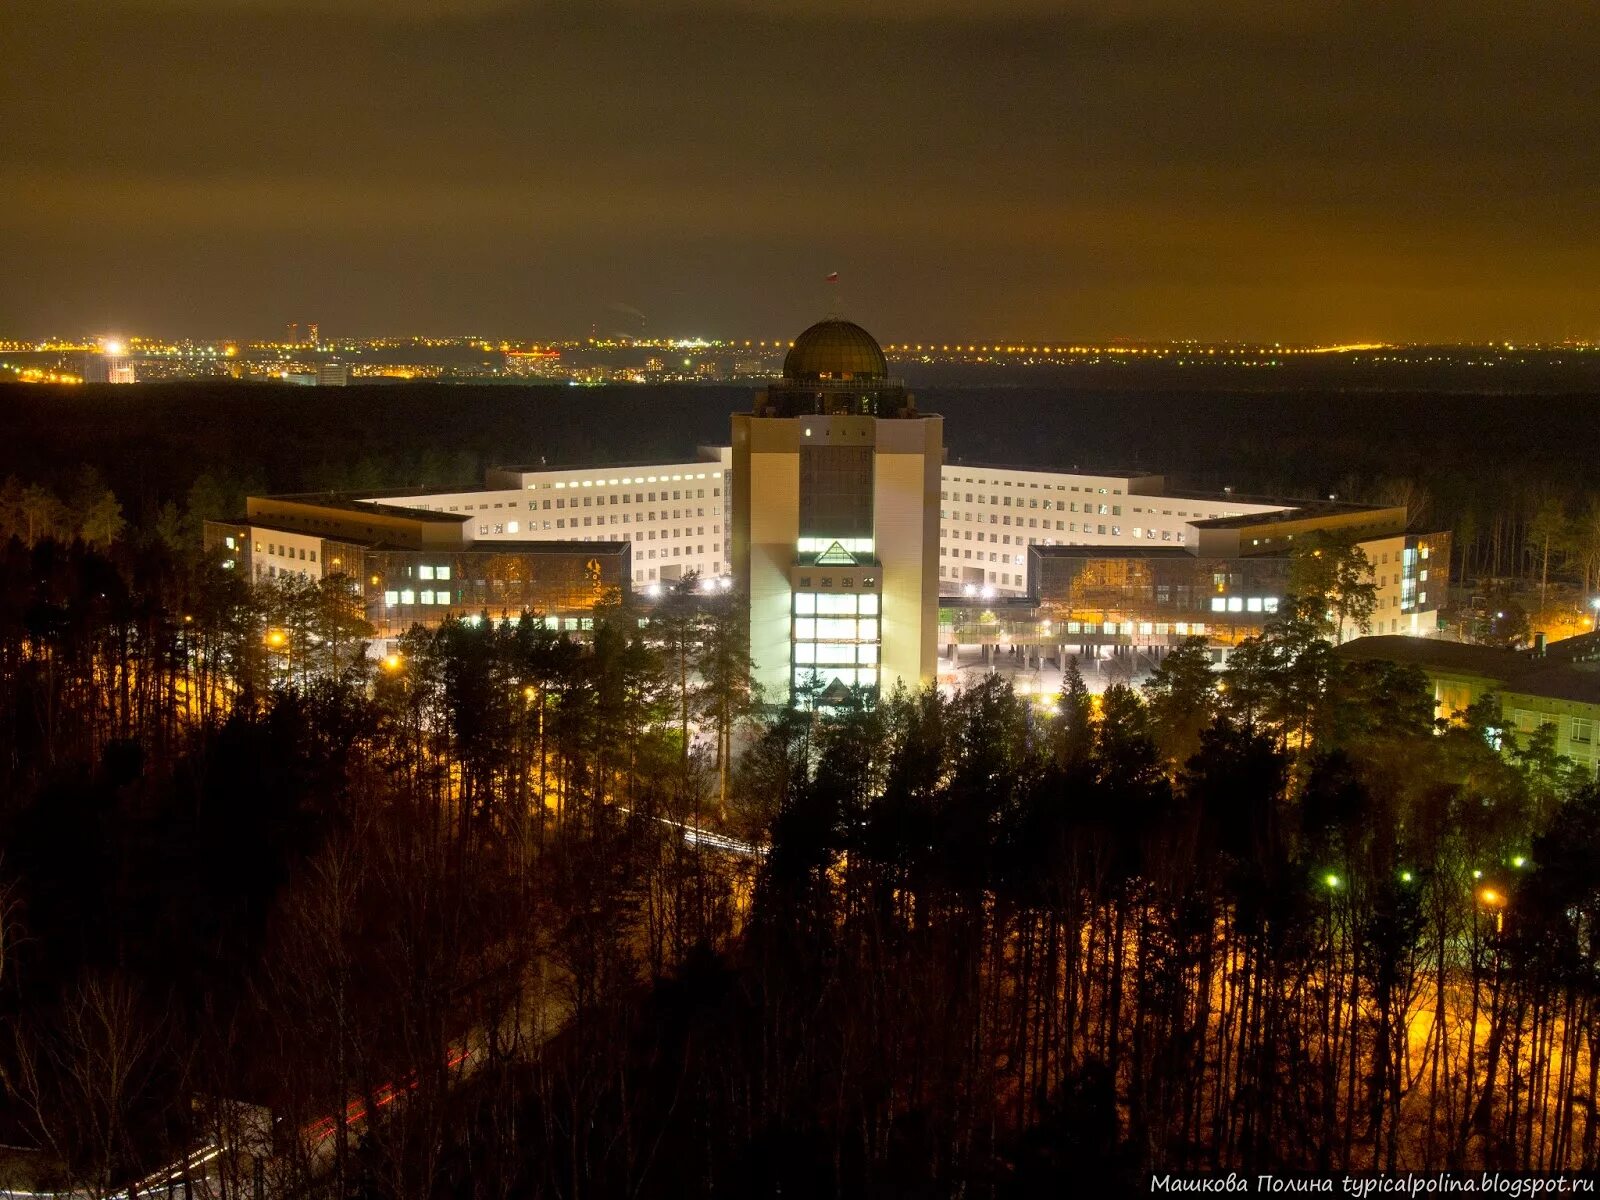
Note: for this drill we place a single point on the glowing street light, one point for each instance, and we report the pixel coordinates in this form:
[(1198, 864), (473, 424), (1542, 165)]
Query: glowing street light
[(1495, 901), (392, 662), (1594, 625), (1331, 881), (276, 638)]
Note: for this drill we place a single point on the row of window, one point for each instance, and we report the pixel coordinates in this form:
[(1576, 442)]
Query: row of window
[(1104, 510), (277, 550), (1255, 604), (411, 596), (1145, 628), (1059, 487), (648, 574), (835, 629), (624, 482), (956, 535), (562, 502), (839, 654), (835, 604)]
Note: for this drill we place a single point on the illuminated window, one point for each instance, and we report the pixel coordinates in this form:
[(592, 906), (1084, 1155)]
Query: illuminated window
[(424, 572), (391, 598)]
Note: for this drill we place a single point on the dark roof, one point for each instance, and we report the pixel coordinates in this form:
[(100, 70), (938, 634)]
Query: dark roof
[(1560, 681), (835, 349), (1290, 510), (1438, 655), (698, 459), (352, 502), (1097, 472), (1585, 647), (1516, 671)]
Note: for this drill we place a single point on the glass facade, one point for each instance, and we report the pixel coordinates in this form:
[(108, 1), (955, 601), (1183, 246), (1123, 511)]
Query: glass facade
[(835, 639)]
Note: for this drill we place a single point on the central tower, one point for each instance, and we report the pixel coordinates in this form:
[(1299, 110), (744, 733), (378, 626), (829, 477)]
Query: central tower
[(836, 522)]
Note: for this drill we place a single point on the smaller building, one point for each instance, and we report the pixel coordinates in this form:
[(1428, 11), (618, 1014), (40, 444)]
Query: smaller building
[(1559, 686), (414, 566)]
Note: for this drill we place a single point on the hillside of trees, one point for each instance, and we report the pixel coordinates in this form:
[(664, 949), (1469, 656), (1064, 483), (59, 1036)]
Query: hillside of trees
[(507, 914)]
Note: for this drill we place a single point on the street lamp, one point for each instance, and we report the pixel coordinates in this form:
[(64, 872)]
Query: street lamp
[(1495, 901), (1594, 625)]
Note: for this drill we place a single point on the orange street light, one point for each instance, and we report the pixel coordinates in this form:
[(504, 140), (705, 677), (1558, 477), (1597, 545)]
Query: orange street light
[(393, 662), (276, 638)]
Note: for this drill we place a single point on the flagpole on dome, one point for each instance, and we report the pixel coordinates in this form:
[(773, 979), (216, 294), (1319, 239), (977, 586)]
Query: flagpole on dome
[(835, 308)]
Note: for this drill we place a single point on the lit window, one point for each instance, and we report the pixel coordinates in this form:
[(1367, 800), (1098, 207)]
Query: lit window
[(805, 602), (805, 629), (869, 606), (424, 572), (1219, 604), (391, 598), (407, 596)]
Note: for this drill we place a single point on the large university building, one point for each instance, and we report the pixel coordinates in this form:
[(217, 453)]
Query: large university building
[(835, 526), (863, 553)]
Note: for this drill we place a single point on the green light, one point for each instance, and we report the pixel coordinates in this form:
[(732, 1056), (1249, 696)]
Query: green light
[(1405, 876), (1519, 862), (1331, 880), (1477, 874)]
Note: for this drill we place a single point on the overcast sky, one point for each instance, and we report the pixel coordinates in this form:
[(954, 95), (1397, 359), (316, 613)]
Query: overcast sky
[(1011, 168)]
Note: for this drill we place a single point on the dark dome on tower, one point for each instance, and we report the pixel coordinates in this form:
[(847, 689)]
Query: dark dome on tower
[(835, 350)]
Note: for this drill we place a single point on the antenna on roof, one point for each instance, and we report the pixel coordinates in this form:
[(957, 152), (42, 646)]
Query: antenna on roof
[(835, 308)]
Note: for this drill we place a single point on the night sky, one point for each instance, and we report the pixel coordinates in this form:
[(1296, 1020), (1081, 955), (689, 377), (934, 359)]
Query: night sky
[(1011, 168)]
